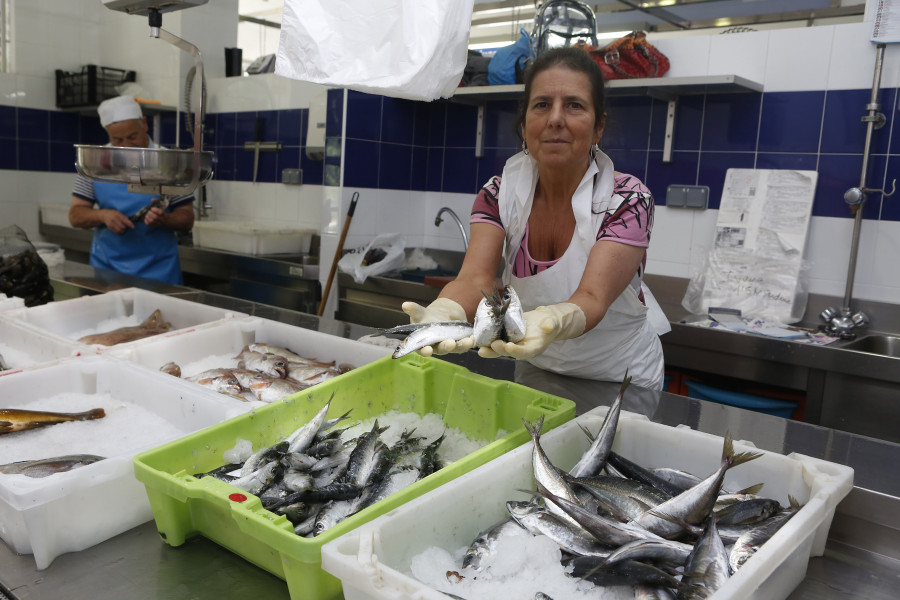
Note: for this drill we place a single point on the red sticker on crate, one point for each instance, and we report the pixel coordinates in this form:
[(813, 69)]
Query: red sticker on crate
[(237, 497)]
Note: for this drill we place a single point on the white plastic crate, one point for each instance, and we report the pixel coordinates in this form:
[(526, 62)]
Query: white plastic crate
[(373, 562), (23, 346), (71, 511), (69, 318), (252, 238), (231, 337)]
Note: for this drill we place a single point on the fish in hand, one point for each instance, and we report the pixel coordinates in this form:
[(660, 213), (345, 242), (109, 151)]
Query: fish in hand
[(152, 325), (15, 419)]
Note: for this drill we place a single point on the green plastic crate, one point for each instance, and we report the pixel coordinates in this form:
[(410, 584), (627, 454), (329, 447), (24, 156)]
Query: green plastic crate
[(184, 506)]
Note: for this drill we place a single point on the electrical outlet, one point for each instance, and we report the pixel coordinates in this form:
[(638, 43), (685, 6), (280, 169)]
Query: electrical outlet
[(292, 176), (687, 196)]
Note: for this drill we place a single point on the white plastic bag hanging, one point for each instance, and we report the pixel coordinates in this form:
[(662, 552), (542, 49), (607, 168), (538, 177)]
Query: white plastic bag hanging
[(384, 254), (413, 49)]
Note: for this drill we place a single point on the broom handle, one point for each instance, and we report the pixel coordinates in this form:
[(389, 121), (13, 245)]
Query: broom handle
[(337, 253)]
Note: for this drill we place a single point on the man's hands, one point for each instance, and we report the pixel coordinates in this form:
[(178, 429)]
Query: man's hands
[(543, 326), (115, 221)]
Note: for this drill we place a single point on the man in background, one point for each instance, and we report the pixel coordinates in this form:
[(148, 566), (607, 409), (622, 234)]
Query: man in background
[(148, 247)]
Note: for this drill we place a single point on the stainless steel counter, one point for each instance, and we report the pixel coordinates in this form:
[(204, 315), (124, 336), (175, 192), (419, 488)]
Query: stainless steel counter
[(862, 556)]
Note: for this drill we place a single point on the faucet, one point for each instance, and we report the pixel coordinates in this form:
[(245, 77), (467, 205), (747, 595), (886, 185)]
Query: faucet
[(462, 229), (843, 322)]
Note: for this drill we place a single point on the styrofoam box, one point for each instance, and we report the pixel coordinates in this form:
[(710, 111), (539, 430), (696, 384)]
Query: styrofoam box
[(373, 561), (252, 238), (23, 346), (68, 318), (71, 511), (230, 338)]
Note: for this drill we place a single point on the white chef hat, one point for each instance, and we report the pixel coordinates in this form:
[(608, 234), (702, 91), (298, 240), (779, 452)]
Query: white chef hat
[(120, 108)]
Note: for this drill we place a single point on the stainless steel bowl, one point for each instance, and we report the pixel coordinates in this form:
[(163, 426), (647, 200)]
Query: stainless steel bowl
[(144, 166)]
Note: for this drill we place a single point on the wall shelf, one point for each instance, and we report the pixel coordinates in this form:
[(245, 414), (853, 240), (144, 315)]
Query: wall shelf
[(667, 89)]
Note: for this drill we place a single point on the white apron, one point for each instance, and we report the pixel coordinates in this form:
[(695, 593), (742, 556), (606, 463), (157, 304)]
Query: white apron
[(628, 336)]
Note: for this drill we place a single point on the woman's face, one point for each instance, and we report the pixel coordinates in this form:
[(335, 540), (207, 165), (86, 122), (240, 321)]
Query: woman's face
[(560, 127)]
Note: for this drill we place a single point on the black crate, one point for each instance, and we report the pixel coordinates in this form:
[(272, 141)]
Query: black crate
[(90, 87)]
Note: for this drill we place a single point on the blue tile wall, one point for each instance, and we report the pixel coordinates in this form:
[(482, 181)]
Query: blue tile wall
[(405, 145)]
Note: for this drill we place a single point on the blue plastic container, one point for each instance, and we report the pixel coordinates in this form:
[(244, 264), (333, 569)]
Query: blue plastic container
[(769, 406)]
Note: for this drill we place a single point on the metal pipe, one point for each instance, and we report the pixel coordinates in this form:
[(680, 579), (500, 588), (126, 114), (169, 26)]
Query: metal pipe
[(873, 109), (462, 229)]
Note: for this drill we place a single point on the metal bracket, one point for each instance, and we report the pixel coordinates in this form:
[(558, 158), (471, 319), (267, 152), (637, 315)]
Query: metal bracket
[(479, 133)]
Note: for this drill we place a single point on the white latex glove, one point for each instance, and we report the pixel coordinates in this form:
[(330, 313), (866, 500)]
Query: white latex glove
[(442, 309), (543, 326)]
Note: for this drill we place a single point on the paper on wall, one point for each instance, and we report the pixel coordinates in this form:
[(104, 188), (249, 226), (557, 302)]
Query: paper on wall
[(415, 49), (756, 263)]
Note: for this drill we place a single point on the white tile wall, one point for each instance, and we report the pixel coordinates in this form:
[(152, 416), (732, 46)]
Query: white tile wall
[(852, 60), (743, 54), (798, 59)]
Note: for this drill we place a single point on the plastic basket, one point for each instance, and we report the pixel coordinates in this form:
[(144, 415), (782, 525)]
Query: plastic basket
[(90, 86), (373, 561), (183, 505)]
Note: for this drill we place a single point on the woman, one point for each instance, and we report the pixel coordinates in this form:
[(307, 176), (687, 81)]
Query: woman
[(574, 234)]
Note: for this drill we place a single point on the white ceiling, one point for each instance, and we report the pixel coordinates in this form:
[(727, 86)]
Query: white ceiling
[(495, 22)]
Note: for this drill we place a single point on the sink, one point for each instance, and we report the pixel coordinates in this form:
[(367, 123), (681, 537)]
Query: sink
[(885, 345)]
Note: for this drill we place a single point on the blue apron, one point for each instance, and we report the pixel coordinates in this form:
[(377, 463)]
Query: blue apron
[(149, 252)]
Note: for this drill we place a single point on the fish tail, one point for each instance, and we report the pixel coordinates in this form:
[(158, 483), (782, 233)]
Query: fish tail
[(95, 413), (795, 504), (752, 490), (154, 319), (743, 457), (534, 429)]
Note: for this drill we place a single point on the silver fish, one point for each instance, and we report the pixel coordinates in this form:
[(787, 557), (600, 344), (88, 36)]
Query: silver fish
[(366, 457), (609, 532), (694, 505), (570, 537), (655, 550), (546, 474), (514, 319), (486, 543), (747, 512), (706, 568), (300, 440), (647, 592), (275, 389), (44, 467), (748, 543), (257, 480), (431, 335), (394, 481), (487, 325), (624, 498), (297, 481), (593, 460), (333, 513)]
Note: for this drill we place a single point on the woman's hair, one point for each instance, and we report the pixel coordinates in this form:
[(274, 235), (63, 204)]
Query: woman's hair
[(571, 58)]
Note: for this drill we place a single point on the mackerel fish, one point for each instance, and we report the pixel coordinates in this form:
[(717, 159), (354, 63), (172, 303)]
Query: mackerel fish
[(432, 334), (594, 459)]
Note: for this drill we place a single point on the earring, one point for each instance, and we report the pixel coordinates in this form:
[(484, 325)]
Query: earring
[(524, 148), (593, 151)]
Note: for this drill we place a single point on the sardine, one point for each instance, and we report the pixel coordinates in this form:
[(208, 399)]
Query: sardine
[(301, 438), (152, 325), (365, 458), (45, 467), (486, 543), (256, 481), (628, 572), (394, 481), (748, 543), (431, 335), (15, 419), (638, 473), (706, 568), (693, 506), (748, 512), (546, 474), (571, 538), (593, 460), (514, 319), (650, 592), (656, 550), (610, 533), (487, 325)]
